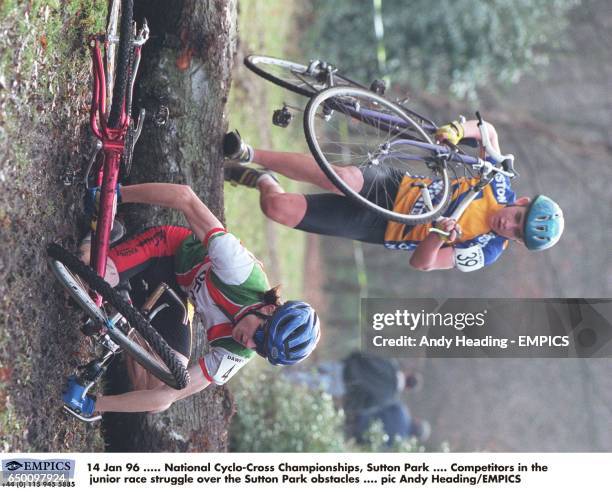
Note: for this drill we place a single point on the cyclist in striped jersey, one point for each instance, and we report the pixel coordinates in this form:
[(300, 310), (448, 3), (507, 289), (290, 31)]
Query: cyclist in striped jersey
[(227, 286)]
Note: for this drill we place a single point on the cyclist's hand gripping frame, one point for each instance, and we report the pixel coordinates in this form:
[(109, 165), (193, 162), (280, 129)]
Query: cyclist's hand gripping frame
[(494, 163)]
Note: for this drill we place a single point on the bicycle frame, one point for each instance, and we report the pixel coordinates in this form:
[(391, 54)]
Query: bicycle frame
[(487, 167), (112, 147), (113, 142), (325, 72)]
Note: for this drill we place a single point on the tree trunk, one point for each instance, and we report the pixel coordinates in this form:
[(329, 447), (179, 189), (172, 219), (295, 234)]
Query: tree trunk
[(185, 67)]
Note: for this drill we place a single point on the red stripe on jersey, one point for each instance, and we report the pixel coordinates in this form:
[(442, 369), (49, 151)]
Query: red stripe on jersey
[(227, 306), (211, 233), (219, 331), (204, 370), (186, 279)]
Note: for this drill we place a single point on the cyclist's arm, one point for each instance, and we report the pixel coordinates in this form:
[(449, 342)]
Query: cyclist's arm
[(153, 400), (470, 130), (431, 255), (179, 197)]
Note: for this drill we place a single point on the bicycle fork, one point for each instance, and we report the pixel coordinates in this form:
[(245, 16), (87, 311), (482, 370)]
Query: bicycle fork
[(90, 373)]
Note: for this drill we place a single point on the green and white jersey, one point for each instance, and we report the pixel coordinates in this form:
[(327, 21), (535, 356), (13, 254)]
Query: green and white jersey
[(224, 280)]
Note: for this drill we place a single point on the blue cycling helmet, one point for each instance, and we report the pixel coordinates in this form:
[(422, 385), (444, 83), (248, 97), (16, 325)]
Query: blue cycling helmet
[(543, 223), (290, 334)]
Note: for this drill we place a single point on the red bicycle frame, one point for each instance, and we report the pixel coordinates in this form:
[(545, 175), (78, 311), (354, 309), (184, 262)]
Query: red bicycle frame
[(113, 144)]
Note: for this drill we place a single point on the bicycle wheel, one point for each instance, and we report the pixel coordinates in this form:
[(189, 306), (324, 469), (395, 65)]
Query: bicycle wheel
[(294, 76), (347, 126), (112, 37), (120, 66), (76, 278)]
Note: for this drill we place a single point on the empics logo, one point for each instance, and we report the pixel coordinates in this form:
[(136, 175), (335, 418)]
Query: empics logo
[(58, 468), (13, 465)]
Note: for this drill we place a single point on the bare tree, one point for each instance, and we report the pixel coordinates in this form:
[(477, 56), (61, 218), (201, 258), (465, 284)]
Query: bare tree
[(183, 85)]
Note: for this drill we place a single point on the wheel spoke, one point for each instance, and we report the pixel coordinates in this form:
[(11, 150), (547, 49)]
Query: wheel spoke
[(348, 126), (67, 267)]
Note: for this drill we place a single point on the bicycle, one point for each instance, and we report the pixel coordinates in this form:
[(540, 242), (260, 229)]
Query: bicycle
[(305, 80), (347, 124), (112, 318), (310, 79)]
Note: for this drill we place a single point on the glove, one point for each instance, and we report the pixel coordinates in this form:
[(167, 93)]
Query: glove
[(77, 400), (91, 203), (452, 133)]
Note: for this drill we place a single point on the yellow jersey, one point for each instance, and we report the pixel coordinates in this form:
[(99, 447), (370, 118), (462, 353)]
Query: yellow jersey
[(478, 245)]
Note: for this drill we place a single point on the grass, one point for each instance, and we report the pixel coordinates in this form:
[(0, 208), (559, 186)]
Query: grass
[(265, 27), (43, 63), (47, 33)]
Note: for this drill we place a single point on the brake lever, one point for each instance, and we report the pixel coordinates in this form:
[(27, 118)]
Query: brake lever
[(508, 166)]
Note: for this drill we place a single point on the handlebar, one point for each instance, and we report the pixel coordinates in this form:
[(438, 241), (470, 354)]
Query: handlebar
[(506, 160)]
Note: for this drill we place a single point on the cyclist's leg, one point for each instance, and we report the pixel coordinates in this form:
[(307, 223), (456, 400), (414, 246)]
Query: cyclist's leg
[(303, 167), (323, 215), (285, 208), (334, 215), (141, 379)]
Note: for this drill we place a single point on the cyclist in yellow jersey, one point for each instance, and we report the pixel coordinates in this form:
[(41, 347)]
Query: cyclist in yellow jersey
[(476, 240)]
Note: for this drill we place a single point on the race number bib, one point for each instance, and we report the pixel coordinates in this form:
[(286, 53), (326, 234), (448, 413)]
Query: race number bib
[(221, 364), (469, 259)]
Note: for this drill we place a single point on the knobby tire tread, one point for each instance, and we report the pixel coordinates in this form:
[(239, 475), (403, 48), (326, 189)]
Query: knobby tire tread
[(122, 70), (134, 318)]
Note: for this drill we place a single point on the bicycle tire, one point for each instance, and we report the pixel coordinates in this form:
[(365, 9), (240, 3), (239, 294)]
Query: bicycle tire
[(67, 266), (122, 70), (112, 29), (296, 78), (381, 125)]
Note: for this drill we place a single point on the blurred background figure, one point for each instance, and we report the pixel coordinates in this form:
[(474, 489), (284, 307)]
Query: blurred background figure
[(369, 389), (374, 388)]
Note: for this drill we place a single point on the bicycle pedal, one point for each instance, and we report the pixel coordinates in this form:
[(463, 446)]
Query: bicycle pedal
[(79, 416), (378, 86), (282, 117), (162, 115)]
